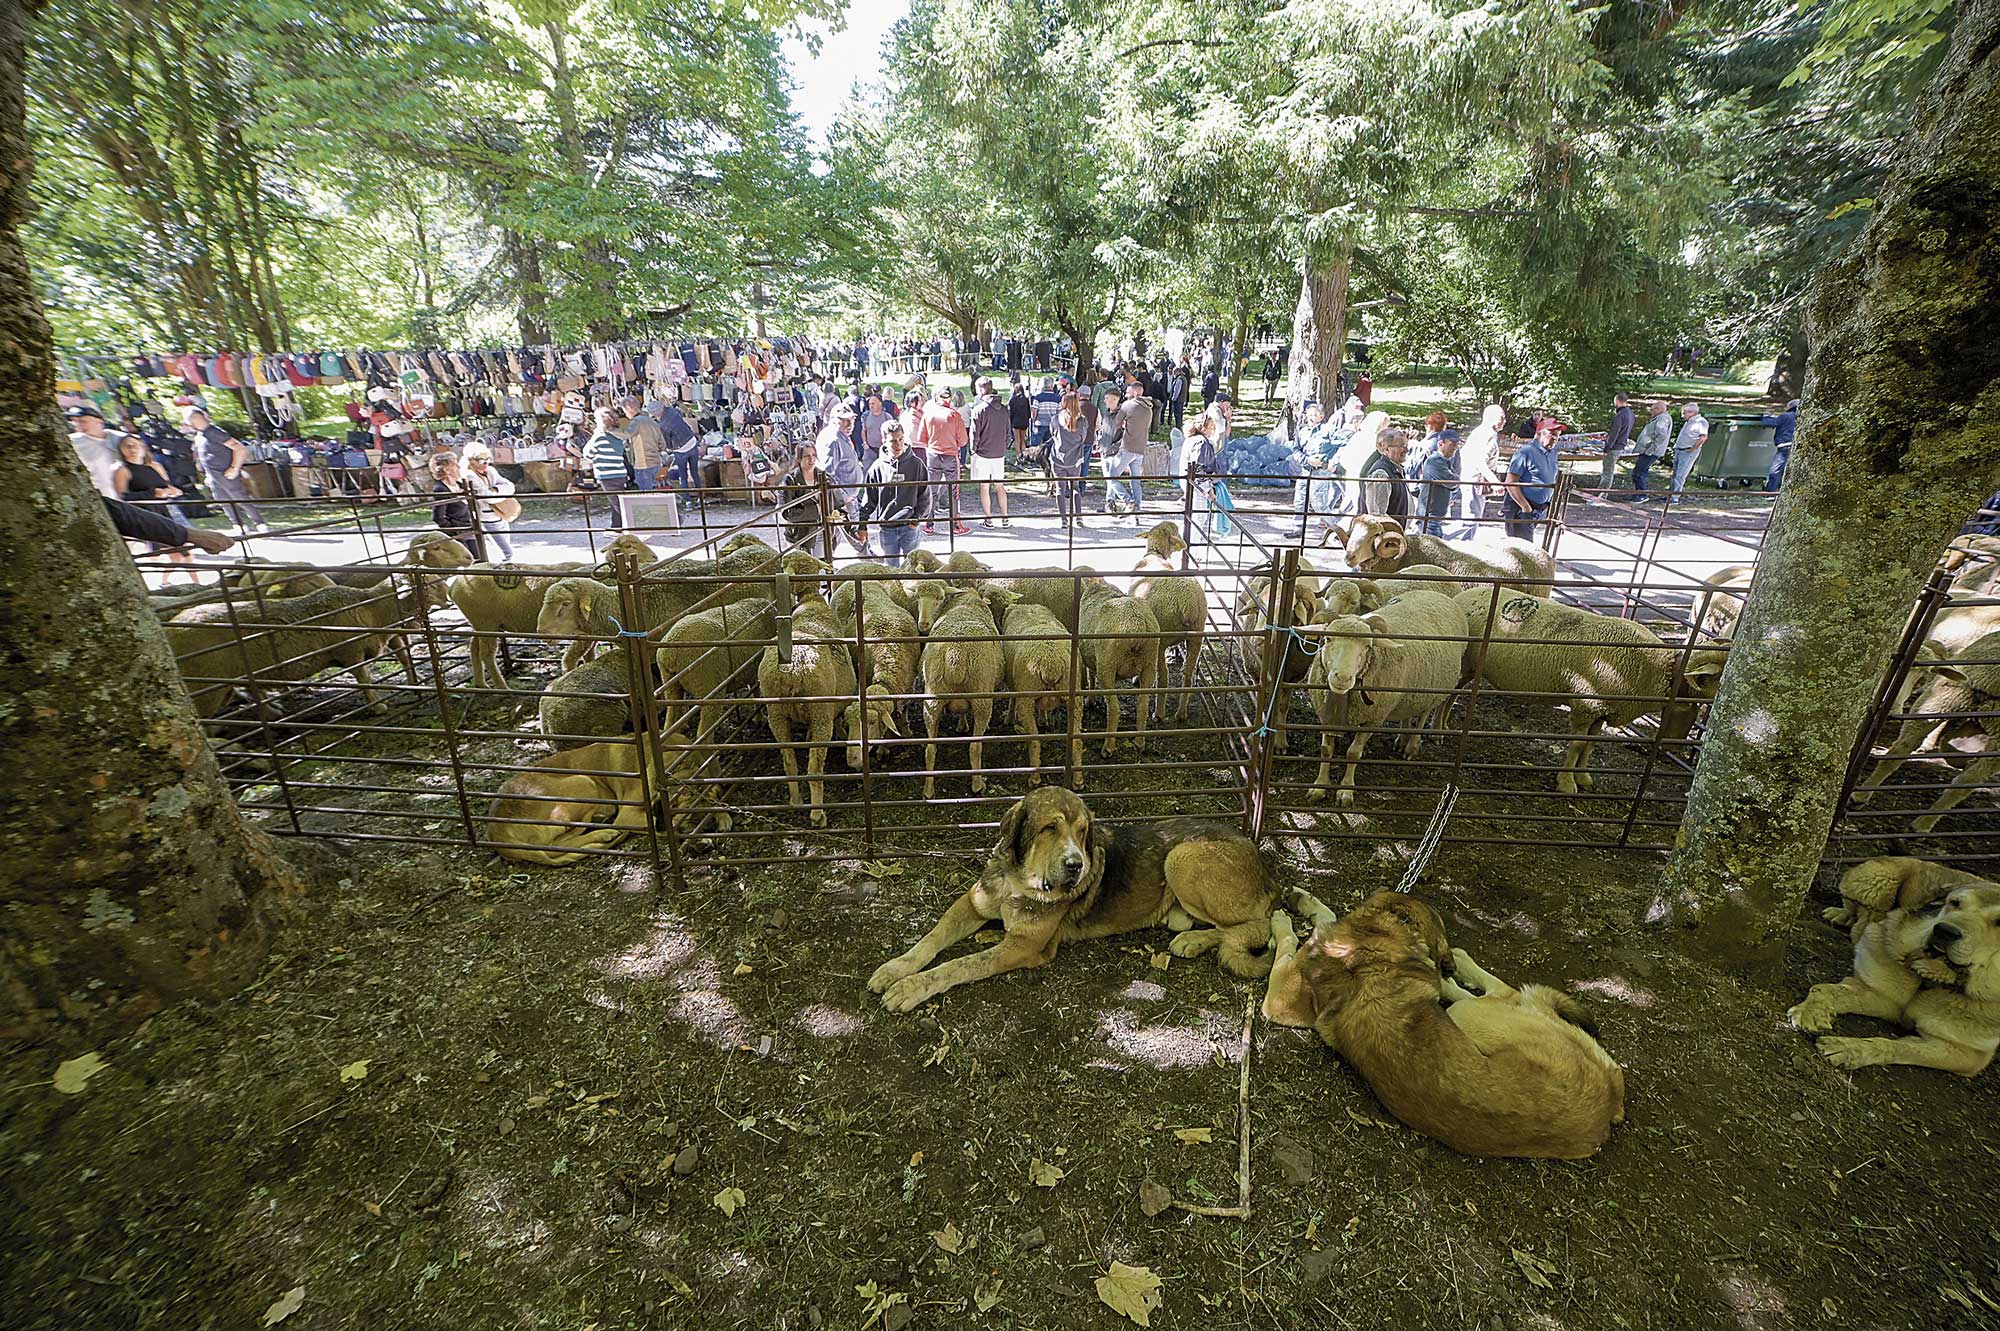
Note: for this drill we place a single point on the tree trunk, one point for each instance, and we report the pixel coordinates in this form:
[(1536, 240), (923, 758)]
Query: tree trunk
[(130, 878), (1319, 333), (757, 307), (1788, 375), (525, 258), (1235, 366), (1899, 443)]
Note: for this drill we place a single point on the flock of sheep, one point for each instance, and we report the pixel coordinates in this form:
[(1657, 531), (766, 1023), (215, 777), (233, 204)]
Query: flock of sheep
[(1385, 642)]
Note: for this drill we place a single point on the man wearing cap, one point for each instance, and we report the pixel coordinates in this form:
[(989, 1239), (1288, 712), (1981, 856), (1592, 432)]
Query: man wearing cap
[(96, 448), (222, 458), (1784, 426), (835, 450), (1531, 479), (938, 436), (1616, 438)]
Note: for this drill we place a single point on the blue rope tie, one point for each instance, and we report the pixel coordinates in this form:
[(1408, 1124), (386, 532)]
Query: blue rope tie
[(624, 632), (1278, 677)]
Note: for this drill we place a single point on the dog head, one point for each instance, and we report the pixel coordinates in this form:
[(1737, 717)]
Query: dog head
[(1051, 844), (1387, 932), (1961, 930)]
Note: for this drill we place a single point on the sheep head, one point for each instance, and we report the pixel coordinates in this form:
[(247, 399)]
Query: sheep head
[(625, 541), (1345, 596), (927, 598), (567, 608), (1164, 540), (881, 721), (1698, 682), (436, 550), (1376, 544), (1348, 646)]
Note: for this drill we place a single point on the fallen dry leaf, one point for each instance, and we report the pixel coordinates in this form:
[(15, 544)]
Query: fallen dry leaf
[(948, 1238), (72, 1073), (1195, 1136), (1043, 1174), (287, 1304), (1154, 1198), (987, 1297), (1161, 960), (355, 1071), (1130, 1291), (743, 968), (729, 1199)]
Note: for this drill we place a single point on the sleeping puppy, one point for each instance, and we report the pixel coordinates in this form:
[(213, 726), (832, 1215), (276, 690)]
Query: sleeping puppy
[(1504, 1071), (1057, 875), (1934, 969)]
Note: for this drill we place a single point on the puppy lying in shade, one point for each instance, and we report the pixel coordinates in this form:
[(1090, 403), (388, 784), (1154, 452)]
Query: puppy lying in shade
[(1500, 1071)]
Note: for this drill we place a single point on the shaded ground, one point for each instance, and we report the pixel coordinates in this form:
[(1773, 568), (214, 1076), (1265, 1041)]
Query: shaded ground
[(543, 1049)]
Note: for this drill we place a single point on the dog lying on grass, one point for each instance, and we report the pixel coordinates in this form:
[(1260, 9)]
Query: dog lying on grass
[(1057, 874), (1498, 1072)]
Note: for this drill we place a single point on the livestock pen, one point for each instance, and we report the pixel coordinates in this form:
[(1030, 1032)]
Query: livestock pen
[(424, 761)]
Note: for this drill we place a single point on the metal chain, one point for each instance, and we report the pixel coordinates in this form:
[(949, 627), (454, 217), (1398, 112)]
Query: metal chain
[(1432, 835)]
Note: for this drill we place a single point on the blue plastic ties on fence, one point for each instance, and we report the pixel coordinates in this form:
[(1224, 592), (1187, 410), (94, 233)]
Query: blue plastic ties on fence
[(1278, 678), (624, 632)]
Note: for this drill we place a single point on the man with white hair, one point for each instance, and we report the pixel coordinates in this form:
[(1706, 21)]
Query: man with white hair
[(1482, 455), (1687, 445), (1784, 426)]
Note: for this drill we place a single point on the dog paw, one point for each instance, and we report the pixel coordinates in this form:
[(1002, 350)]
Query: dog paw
[(1810, 1017), (1935, 969), (1465, 971), (888, 973), (1846, 1052), (1281, 928), (1194, 942), (1837, 915), (906, 994)]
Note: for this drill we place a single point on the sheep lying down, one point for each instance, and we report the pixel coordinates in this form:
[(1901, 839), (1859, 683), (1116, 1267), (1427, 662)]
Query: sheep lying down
[(1611, 671)]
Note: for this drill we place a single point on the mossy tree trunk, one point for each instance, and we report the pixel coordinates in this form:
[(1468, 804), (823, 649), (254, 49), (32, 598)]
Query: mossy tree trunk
[(1319, 334), (1898, 443), (127, 875)]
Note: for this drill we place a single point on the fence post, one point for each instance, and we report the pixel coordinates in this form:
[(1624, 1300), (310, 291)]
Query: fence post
[(826, 511), (1936, 592), (1073, 714), (444, 708), (1268, 738), (1187, 522), (637, 646)]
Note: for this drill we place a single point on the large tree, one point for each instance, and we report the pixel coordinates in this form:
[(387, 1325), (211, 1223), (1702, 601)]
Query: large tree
[(130, 877), (1898, 444)]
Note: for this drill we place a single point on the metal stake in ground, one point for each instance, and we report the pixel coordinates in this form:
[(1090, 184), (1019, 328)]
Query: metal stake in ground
[(1240, 1211)]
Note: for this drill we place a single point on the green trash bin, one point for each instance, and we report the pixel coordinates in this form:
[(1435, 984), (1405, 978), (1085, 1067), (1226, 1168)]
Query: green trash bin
[(1739, 451)]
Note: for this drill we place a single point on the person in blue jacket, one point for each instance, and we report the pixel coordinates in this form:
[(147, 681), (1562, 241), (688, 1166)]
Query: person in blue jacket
[(1783, 426)]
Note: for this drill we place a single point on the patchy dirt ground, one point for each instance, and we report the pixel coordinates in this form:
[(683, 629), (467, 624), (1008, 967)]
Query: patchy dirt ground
[(459, 1095)]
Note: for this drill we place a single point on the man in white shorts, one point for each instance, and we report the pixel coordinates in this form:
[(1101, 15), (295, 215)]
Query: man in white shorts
[(992, 433)]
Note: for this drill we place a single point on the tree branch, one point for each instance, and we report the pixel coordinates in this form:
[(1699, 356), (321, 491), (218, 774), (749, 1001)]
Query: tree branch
[(1168, 41)]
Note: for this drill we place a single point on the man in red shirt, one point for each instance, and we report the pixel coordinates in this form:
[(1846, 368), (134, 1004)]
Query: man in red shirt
[(939, 436)]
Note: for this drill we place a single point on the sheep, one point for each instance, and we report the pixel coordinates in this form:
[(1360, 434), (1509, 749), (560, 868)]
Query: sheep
[(925, 596), (1163, 540), (876, 575), (586, 607), (1411, 578), (703, 655), (333, 626), (1121, 642), (1385, 667), (1720, 600), (1052, 588), (962, 658), (1253, 618), (1612, 671), (575, 706), (807, 691), (499, 599), (1974, 565), (1180, 606), (1376, 544), (1037, 656), (1951, 686), (885, 659)]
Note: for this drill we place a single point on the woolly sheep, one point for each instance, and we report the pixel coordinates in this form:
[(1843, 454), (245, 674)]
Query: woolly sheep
[(1949, 686), (1612, 671), (1382, 668), (1037, 654), (850, 576), (499, 599), (704, 655), (1253, 618), (1410, 578), (586, 607), (885, 659), (1121, 642), (1376, 544), (1180, 606), (1054, 589), (807, 692), (332, 626), (961, 667), (1720, 600), (588, 701)]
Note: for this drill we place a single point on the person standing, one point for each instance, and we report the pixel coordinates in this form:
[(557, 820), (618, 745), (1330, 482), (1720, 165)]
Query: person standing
[(1784, 426), (1270, 376), (1687, 447), (96, 448), (451, 511), (1616, 437), (606, 455), (1206, 440), (835, 445), (222, 458), (1314, 490), (1134, 423), (800, 515), (940, 436), (1382, 488), (646, 444), (895, 497), (1364, 388), (868, 428), (1211, 383), (992, 428), (682, 448), (1437, 489), (494, 494), (1069, 457), (1655, 437), (1482, 455), (1531, 479), (1020, 411)]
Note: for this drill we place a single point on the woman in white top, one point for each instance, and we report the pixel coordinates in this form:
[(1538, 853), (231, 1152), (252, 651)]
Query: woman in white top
[(497, 508), (1482, 454)]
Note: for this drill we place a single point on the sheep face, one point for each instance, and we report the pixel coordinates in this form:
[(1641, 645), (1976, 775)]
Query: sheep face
[(1376, 545), (1347, 650), (1698, 681), (562, 611), (928, 600), (437, 551), (626, 542), (881, 721), (1164, 540)]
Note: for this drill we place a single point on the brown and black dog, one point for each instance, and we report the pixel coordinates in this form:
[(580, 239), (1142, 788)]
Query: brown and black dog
[(1056, 874), (1506, 1072)]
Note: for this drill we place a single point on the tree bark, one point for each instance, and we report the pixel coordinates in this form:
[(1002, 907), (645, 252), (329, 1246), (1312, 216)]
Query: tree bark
[(1319, 333), (129, 876), (525, 258), (1235, 366), (1788, 374), (1899, 442)]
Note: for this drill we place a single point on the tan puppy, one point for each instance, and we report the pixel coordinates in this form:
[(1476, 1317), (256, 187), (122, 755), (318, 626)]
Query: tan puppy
[(1057, 875), (1507, 1072), (592, 800), (1957, 1022), (1873, 888)]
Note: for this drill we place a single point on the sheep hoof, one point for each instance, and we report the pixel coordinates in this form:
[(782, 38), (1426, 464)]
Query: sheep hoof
[(817, 818), (1109, 748), (978, 784), (1565, 785), (1345, 799), (1317, 795), (1585, 781)]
